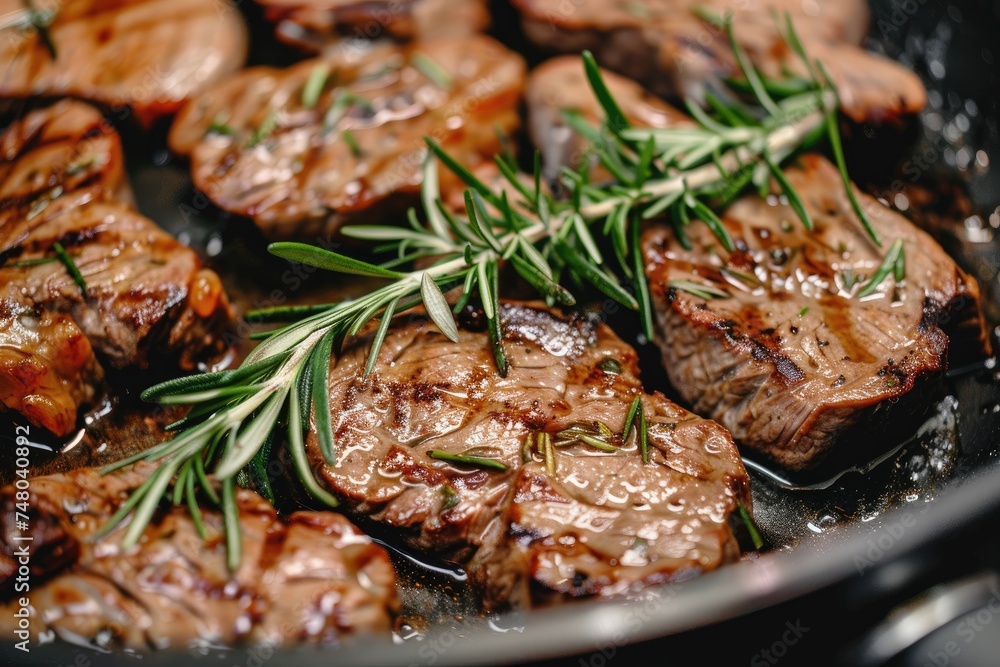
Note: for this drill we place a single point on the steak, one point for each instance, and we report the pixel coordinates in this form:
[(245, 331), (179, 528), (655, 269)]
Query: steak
[(148, 301), (313, 25), (586, 520), (310, 577), (676, 53), (301, 170), (784, 352), (558, 85), (150, 55)]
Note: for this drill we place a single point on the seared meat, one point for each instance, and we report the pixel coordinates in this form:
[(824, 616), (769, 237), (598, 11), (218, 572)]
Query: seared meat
[(665, 45), (147, 299), (312, 25), (312, 577), (790, 357), (302, 170), (150, 55), (47, 367), (591, 522), (559, 84)]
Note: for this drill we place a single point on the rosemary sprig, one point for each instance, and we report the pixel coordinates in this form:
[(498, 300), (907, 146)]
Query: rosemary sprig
[(550, 241), (478, 461)]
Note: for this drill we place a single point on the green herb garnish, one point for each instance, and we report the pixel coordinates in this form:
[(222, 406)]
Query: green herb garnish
[(432, 70), (352, 142), (553, 242), (478, 461), (265, 130), (71, 267), (314, 85), (699, 290), (758, 541), (27, 263), (450, 497), (893, 263)]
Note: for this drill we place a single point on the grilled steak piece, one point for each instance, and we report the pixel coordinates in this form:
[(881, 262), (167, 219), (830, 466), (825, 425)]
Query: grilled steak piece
[(311, 577), (313, 25), (668, 47), (302, 169), (589, 522), (788, 357), (148, 299), (558, 85), (150, 55)]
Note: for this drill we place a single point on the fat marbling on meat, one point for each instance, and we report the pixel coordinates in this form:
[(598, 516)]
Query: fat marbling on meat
[(667, 46), (310, 577), (788, 356), (589, 522), (148, 300), (260, 147), (147, 55)]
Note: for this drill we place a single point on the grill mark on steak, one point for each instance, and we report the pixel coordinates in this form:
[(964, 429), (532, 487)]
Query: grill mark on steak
[(310, 577), (149, 300), (525, 535), (794, 361), (150, 55), (315, 25), (302, 180), (665, 46)]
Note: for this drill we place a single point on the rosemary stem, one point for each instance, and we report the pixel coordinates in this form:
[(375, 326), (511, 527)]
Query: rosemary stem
[(779, 141)]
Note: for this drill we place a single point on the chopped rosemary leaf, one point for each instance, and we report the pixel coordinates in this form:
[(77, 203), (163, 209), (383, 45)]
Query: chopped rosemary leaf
[(352, 142), (221, 128), (432, 70), (41, 21), (26, 263), (803, 311), (450, 497), (314, 85), (597, 443), (758, 541), (630, 417), (265, 130), (743, 276), (609, 365), (891, 264), (479, 461), (71, 267), (548, 451), (847, 275), (527, 446), (699, 290)]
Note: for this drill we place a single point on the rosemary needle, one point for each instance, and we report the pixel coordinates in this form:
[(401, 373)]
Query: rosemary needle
[(478, 461), (71, 267)]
